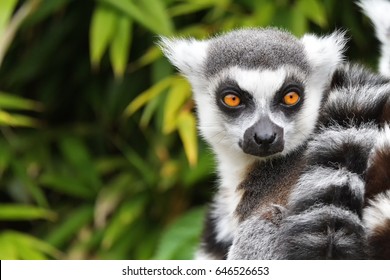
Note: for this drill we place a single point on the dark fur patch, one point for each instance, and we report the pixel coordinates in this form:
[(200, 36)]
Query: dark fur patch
[(354, 74), (385, 117), (347, 153), (380, 242), (218, 250), (354, 105), (378, 174), (343, 196), (269, 183), (326, 232)]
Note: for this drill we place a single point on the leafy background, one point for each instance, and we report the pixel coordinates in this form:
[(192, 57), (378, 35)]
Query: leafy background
[(99, 154)]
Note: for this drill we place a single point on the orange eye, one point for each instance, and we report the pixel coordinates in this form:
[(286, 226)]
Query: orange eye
[(291, 98), (232, 100)]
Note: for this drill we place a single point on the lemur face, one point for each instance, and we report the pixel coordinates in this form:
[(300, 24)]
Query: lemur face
[(257, 91)]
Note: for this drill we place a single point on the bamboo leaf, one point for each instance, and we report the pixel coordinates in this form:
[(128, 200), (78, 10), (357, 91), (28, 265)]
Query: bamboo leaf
[(120, 46), (8, 101), (147, 95), (6, 9), (126, 215), (110, 197), (9, 119), (68, 228), (151, 55), (77, 154), (66, 185), (150, 14), (5, 156), (187, 130), (102, 30), (20, 170), (180, 239), (25, 212), (27, 247), (156, 11), (177, 96), (314, 11), (299, 24)]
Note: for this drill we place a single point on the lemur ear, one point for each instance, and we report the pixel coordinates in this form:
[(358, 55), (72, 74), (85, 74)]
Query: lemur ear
[(188, 55), (325, 53)]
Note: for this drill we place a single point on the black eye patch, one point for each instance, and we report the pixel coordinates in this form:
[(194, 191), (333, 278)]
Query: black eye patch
[(291, 85), (228, 87)]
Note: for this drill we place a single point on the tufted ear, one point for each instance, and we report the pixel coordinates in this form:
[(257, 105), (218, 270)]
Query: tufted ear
[(188, 55), (325, 54)]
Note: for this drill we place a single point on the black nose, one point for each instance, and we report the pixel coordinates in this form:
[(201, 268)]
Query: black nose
[(263, 139)]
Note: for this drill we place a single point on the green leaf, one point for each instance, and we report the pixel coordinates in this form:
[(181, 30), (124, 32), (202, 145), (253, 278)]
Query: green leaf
[(110, 197), (179, 93), (120, 46), (68, 228), (157, 13), (5, 156), (16, 120), (313, 10), (8, 101), (46, 9), (6, 9), (66, 185), (187, 130), (189, 8), (102, 29), (150, 56), (151, 14), (150, 108), (76, 153), (299, 24), (20, 170), (125, 216), (24, 212), (264, 12), (140, 164), (180, 239), (17, 245), (147, 95)]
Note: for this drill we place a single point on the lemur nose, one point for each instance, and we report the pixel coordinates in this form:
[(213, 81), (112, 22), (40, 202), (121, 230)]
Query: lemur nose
[(264, 139)]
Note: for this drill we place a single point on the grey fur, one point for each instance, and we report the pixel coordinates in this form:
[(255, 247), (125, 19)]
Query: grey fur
[(255, 49), (313, 234)]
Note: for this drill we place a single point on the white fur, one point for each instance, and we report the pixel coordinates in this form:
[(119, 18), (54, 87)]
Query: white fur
[(379, 13), (202, 255), (379, 211), (324, 53), (188, 55)]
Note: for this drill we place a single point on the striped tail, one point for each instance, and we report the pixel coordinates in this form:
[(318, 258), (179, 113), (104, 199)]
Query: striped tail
[(376, 214)]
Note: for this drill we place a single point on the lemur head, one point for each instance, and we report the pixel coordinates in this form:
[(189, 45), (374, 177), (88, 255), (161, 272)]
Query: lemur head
[(257, 91)]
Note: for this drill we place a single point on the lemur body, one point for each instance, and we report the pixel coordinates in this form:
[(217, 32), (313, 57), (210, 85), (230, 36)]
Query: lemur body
[(285, 135)]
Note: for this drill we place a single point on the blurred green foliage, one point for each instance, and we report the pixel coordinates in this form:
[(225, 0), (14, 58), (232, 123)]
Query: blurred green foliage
[(99, 157)]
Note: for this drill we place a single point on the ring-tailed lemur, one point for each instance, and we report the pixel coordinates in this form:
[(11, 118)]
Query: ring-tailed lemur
[(301, 144)]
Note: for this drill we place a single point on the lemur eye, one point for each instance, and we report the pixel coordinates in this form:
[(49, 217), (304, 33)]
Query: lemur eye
[(232, 100), (291, 98)]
